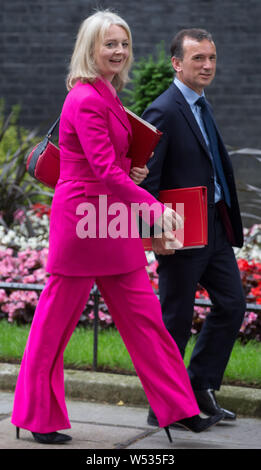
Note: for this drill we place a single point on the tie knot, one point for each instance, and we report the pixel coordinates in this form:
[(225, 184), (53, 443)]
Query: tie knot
[(201, 102)]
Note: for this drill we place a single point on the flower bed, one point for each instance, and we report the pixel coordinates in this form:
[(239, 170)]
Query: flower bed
[(23, 257)]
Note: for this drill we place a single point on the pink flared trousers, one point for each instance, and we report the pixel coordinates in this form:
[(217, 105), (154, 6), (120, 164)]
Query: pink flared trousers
[(39, 403)]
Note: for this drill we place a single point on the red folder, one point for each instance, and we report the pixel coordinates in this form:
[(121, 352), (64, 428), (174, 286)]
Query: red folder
[(145, 137), (191, 203)]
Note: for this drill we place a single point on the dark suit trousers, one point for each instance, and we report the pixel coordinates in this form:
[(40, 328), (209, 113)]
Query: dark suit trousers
[(215, 268)]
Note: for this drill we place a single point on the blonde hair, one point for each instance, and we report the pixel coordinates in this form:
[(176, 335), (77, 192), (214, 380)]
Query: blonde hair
[(82, 65)]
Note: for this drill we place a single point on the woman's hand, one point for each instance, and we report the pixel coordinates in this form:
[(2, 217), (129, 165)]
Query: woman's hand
[(166, 245), (138, 174), (171, 220)]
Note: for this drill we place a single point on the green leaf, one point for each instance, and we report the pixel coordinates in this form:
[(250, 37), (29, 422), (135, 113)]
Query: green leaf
[(149, 78)]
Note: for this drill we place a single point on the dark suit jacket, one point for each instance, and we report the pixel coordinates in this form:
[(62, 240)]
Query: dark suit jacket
[(181, 158)]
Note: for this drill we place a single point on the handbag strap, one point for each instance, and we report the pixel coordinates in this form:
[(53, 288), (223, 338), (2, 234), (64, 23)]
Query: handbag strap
[(52, 128), (34, 154)]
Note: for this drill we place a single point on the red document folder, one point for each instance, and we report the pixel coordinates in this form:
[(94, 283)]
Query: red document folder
[(145, 137), (191, 203)]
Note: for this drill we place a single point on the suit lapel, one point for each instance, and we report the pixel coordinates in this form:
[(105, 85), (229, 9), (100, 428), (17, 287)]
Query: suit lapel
[(113, 103), (188, 115)]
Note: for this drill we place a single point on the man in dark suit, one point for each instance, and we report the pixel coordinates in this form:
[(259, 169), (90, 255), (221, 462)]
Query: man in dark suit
[(191, 153)]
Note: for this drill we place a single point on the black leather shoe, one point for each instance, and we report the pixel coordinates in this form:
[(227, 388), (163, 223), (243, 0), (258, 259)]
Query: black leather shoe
[(208, 404), (195, 423), (51, 438)]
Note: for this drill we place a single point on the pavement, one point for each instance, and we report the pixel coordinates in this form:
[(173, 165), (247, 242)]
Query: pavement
[(109, 411)]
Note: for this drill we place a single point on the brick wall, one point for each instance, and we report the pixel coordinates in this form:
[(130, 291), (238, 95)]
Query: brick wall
[(37, 37)]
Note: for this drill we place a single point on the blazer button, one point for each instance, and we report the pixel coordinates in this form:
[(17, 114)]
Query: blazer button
[(212, 179), (211, 205)]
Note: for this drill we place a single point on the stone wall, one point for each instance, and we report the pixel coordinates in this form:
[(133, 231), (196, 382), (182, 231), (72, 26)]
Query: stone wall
[(37, 37)]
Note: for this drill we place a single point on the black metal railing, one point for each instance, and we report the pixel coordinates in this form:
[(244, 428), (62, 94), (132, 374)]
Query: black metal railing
[(251, 307)]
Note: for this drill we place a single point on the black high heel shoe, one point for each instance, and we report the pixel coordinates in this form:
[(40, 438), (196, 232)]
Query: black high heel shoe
[(168, 433), (48, 438), (198, 424), (194, 424)]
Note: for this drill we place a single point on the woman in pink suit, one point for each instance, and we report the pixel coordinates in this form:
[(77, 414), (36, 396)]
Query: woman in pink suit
[(85, 247)]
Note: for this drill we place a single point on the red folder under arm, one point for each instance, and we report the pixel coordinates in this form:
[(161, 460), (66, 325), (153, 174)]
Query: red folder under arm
[(144, 139)]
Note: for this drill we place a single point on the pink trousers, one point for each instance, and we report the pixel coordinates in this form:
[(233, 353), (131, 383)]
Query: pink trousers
[(39, 403)]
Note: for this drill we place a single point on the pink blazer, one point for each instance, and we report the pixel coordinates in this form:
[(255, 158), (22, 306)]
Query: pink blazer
[(94, 137)]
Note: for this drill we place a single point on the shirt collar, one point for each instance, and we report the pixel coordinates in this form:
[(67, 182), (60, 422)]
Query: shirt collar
[(190, 95)]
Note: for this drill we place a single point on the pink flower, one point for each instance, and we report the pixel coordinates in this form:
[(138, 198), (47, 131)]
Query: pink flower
[(252, 317), (91, 316), (105, 317), (29, 279), (19, 215), (102, 316), (3, 296), (16, 295), (40, 275)]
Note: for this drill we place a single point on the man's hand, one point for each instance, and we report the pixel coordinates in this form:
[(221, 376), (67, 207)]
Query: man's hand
[(139, 174), (166, 245)]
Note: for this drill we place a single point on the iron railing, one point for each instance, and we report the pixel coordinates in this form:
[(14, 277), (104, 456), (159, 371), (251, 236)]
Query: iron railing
[(251, 307)]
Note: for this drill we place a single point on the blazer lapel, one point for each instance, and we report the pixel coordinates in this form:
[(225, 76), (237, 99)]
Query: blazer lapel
[(114, 103)]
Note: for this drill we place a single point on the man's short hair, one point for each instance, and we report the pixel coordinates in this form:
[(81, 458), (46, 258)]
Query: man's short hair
[(199, 35)]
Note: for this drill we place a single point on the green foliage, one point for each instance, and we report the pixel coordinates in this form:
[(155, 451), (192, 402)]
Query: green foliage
[(8, 132), (150, 77), (17, 189)]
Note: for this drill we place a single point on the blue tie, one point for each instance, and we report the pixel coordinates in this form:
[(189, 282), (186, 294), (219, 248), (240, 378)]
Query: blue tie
[(212, 135)]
